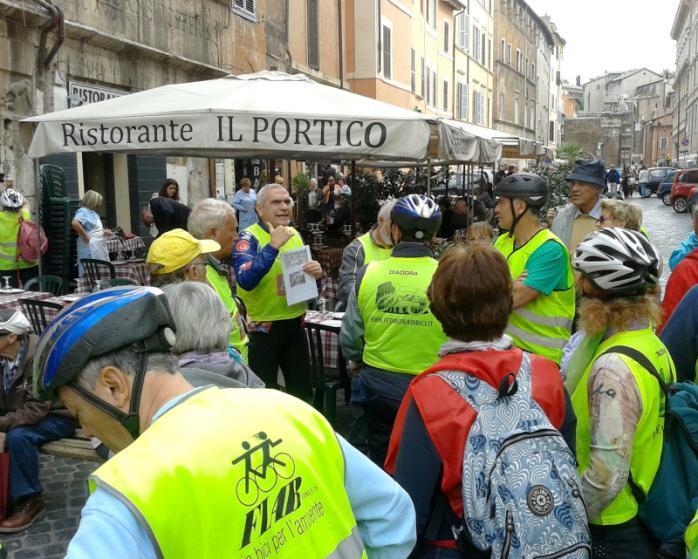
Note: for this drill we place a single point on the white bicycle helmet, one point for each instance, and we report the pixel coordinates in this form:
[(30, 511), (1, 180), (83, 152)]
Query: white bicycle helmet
[(13, 322), (618, 261), (10, 199)]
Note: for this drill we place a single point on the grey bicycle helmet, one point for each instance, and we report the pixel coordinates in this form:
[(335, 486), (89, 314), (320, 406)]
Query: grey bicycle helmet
[(10, 199), (417, 216), (531, 188), (618, 261)]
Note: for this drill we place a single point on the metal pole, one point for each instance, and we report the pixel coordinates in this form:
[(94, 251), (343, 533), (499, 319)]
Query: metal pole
[(428, 177), (39, 195), (354, 192)]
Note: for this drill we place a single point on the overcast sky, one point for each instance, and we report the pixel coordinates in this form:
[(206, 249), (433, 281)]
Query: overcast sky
[(640, 31)]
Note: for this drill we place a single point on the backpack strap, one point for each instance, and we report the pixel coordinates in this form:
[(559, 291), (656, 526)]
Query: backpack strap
[(645, 363), (640, 358)]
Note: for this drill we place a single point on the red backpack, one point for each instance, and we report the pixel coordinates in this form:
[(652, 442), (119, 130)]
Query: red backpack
[(26, 241)]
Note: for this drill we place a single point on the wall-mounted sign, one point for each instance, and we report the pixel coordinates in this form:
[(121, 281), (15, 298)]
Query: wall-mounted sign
[(80, 93)]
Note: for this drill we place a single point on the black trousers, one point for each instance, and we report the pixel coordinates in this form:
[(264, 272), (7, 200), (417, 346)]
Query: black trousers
[(629, 540), (285, 346), (383, 392)]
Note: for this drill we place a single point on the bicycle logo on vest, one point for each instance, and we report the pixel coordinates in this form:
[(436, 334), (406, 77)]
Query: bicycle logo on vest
[(262, 471), (400, 300)]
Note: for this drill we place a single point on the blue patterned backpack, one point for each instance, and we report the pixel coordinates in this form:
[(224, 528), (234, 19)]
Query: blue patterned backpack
[(520, 487)]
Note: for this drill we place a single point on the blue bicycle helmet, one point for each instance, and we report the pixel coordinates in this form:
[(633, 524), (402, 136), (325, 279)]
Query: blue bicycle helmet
[(417, 216), (96, 325)]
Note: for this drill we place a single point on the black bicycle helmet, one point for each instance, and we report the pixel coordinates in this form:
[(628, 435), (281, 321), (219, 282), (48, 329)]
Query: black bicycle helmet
[(417, 216), (618, 261), (96, 325), (529, 187)]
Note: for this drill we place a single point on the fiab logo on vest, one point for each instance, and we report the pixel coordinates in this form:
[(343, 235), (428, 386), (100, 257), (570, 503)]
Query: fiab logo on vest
[(271, 492)]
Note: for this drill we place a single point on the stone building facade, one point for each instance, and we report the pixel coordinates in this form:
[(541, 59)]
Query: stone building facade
[(521, 70), (114, 47), (685, 107)]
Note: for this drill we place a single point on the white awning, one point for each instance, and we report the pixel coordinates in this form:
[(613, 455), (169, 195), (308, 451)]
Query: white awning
[(262, 115)]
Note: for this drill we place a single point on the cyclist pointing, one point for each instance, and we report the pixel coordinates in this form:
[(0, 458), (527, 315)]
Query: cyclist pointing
[(206, 472)]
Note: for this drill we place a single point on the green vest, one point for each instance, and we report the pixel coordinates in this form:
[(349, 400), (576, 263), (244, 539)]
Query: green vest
[(238, 337), (647, 445), (692, 538), (372, 251), (267, 301), (204, 484), (544, 325), (9, 231), (401, 334)]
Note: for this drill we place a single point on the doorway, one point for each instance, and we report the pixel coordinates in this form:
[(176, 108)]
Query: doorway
[(98, 175)]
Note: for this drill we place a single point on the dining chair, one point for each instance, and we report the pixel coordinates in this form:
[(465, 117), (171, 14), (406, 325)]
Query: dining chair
[(47, 284), (96, 270), (39, 313)]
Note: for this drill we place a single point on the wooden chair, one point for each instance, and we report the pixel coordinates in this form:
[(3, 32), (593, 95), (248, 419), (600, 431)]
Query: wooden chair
[(325, 390), (35, 311), (96, 270), (48, 284)]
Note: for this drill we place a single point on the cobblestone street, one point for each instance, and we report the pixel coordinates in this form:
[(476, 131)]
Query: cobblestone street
[(65, 492), (65, 479), (667, 229)]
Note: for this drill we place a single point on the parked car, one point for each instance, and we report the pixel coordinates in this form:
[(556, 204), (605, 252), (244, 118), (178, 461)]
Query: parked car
[(692, 199), (656, 175), (685, 180), (664, 190)]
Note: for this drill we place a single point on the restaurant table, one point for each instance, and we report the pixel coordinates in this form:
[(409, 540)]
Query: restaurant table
[(330, 343), (135, 270), (65, 300), (117, 244), (9, 299)]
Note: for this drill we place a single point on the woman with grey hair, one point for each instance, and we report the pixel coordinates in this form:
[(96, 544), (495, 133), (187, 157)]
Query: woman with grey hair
[(88, 225), (203, 327)]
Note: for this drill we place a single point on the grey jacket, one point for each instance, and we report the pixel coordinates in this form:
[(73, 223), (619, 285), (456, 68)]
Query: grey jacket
[(353, 259), (564, 221)]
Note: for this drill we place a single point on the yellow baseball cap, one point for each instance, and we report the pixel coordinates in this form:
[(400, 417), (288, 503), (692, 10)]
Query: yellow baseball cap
[(177, 248)]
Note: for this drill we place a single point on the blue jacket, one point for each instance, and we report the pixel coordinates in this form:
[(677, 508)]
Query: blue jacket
[(613, 176), (251, 264), (686, 248), (680, 336)]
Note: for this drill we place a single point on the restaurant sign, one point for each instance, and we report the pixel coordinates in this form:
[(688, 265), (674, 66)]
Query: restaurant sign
[(80, 93)]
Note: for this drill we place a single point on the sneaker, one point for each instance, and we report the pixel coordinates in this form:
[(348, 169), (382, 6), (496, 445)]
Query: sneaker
[(24, 515)]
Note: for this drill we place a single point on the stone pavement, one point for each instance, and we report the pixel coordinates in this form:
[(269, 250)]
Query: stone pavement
[(65, 492)]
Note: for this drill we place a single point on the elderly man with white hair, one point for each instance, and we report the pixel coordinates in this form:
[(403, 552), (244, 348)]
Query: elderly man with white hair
[(374, 245), (312, 202), (276, 328), (203, 326), (215, 220)]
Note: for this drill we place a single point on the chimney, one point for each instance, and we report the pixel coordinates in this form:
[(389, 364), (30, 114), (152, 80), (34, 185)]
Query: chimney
[(579, 81)]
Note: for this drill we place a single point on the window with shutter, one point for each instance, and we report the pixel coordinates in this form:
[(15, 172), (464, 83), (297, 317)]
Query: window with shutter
[(462, 101), (483, 39), (446, 37), (313, 35), (424, 78), (413, 71), (433, 88), (387, 50), (244, 7), (445, 105)]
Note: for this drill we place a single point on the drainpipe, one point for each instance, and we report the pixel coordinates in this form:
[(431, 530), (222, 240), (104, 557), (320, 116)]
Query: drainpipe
[(453, 49), (340, 36), (58, 23), (380, 38), (289, 63)]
